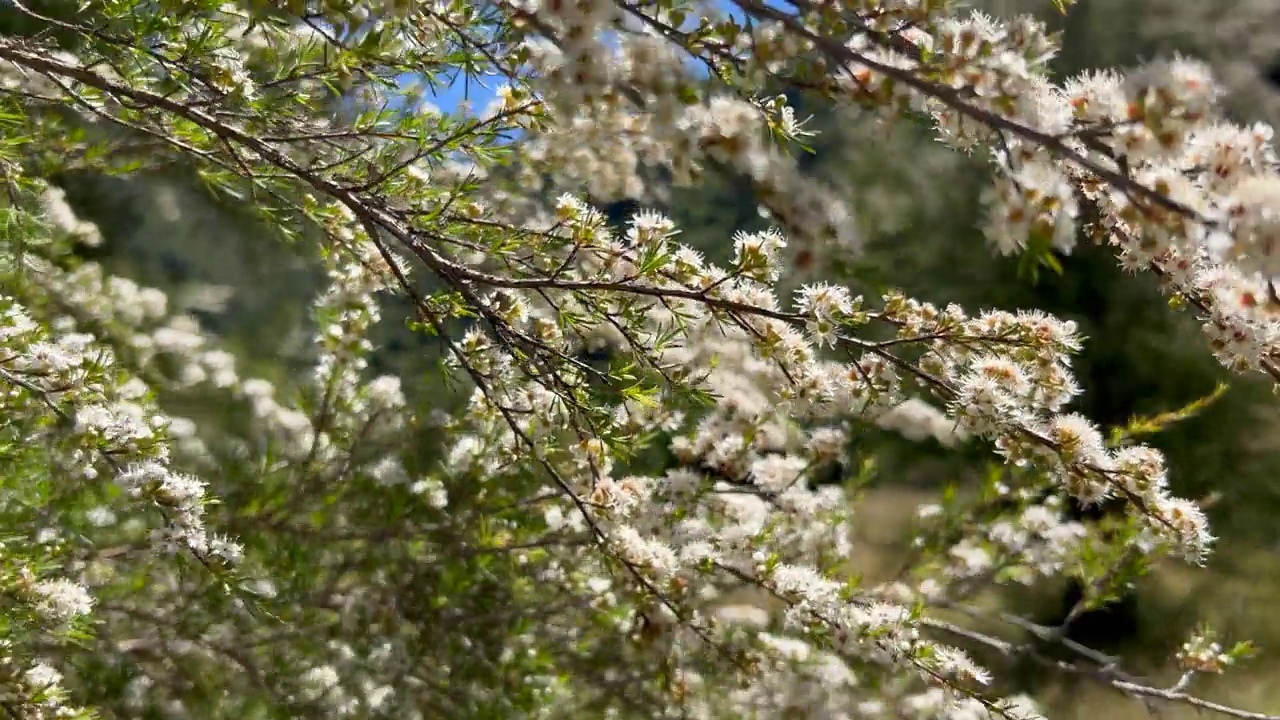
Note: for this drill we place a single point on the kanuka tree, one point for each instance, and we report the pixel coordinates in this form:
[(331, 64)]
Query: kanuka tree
[(639, 535)]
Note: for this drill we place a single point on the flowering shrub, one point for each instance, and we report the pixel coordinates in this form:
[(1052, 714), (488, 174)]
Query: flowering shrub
[(622, 518)]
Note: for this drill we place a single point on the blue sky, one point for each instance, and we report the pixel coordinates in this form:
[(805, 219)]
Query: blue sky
[(481, 93), (448, 97)]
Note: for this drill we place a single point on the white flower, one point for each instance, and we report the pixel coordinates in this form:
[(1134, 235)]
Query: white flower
[(434, 492), (62, 600)]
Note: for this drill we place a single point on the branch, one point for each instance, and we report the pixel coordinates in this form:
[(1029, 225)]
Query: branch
[(1106, 674)]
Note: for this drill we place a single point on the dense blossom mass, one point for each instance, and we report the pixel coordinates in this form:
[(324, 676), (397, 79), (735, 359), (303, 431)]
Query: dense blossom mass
[(628, 508)]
